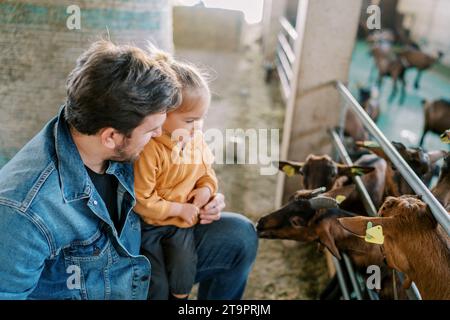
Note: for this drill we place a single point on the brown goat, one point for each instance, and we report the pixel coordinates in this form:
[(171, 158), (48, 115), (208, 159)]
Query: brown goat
[(322, 171), (419, 60), (436, 116), (413, 243), (391, 65), (304, 220), (381, 36), (442, 188), (423, 164), (370, 102)]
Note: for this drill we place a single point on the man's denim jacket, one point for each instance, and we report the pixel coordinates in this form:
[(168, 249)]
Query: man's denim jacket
[(57, 240)]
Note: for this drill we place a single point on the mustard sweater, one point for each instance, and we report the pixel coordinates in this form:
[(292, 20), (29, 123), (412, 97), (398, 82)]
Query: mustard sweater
[(164, 173)]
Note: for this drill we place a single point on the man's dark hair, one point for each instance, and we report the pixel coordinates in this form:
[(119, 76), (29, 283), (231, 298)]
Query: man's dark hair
[(118, 86)]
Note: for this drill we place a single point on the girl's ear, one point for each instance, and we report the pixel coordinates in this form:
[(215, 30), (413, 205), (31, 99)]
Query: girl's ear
[(358, 225)]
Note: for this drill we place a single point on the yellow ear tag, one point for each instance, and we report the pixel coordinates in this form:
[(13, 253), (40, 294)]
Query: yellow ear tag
[(357, 171), (445, 138), (289, 170), (374, 234), (340, 198)]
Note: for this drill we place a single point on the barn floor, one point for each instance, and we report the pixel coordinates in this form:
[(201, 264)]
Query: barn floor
[(241, 99)]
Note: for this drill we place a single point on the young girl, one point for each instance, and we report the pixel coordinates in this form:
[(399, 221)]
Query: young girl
[(171, 186)]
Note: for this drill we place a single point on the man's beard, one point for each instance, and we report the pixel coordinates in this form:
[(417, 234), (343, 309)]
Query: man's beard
[(121, 154)]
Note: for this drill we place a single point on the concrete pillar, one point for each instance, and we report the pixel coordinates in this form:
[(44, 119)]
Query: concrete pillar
[(273, 10), (326, 36), (37, 52)]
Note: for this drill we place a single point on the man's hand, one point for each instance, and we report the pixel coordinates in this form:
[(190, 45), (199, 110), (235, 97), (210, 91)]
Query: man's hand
[(200, 196), (211, 211), (189, 213)]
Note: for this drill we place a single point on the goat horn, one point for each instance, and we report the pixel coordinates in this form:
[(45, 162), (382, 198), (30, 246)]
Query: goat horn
[(318, 191), (367, 144), (322, 202), (436, 155)]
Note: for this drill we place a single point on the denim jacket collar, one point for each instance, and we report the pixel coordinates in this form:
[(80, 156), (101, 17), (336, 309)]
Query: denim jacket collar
[(75, 182)]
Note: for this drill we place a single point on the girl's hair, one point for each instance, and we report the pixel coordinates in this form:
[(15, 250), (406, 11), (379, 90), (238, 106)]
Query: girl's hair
[(190, 77)]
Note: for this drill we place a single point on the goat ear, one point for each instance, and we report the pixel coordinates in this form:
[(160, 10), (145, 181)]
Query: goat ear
[(358, 225), (437, 155), (290, 168), (344, 170), (355, 225), (327, 239)]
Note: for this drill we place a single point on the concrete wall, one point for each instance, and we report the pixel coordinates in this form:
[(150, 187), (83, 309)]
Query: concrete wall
[(327, 33), (429, 21), (37, 51), (203, 28)]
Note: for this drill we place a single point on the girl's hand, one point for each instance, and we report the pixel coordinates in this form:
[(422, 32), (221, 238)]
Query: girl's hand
[(211, 212), (200, 196), (189, 213)]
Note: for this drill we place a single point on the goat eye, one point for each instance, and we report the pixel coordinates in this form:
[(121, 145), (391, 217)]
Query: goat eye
[(295, 221)]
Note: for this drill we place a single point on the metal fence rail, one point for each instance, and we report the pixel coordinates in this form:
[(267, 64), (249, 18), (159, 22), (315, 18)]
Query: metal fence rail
[(285, 56)]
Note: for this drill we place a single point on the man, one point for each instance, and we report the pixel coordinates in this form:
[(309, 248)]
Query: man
[(67, 229)]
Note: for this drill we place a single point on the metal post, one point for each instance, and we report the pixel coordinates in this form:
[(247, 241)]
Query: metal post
[(341, 279), (351, 273)]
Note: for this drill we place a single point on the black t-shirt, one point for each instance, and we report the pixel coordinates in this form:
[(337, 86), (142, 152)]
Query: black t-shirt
[(106, 185)]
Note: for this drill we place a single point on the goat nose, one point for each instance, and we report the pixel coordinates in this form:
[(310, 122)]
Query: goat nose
[(259, 225)]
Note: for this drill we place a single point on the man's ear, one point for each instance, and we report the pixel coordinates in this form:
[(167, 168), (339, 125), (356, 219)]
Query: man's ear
[(110, 137), (344, 170), (327, 239), (290, 168), (358, 225)]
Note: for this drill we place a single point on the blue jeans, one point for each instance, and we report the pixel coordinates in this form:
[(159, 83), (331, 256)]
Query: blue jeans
[(226, 251)]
